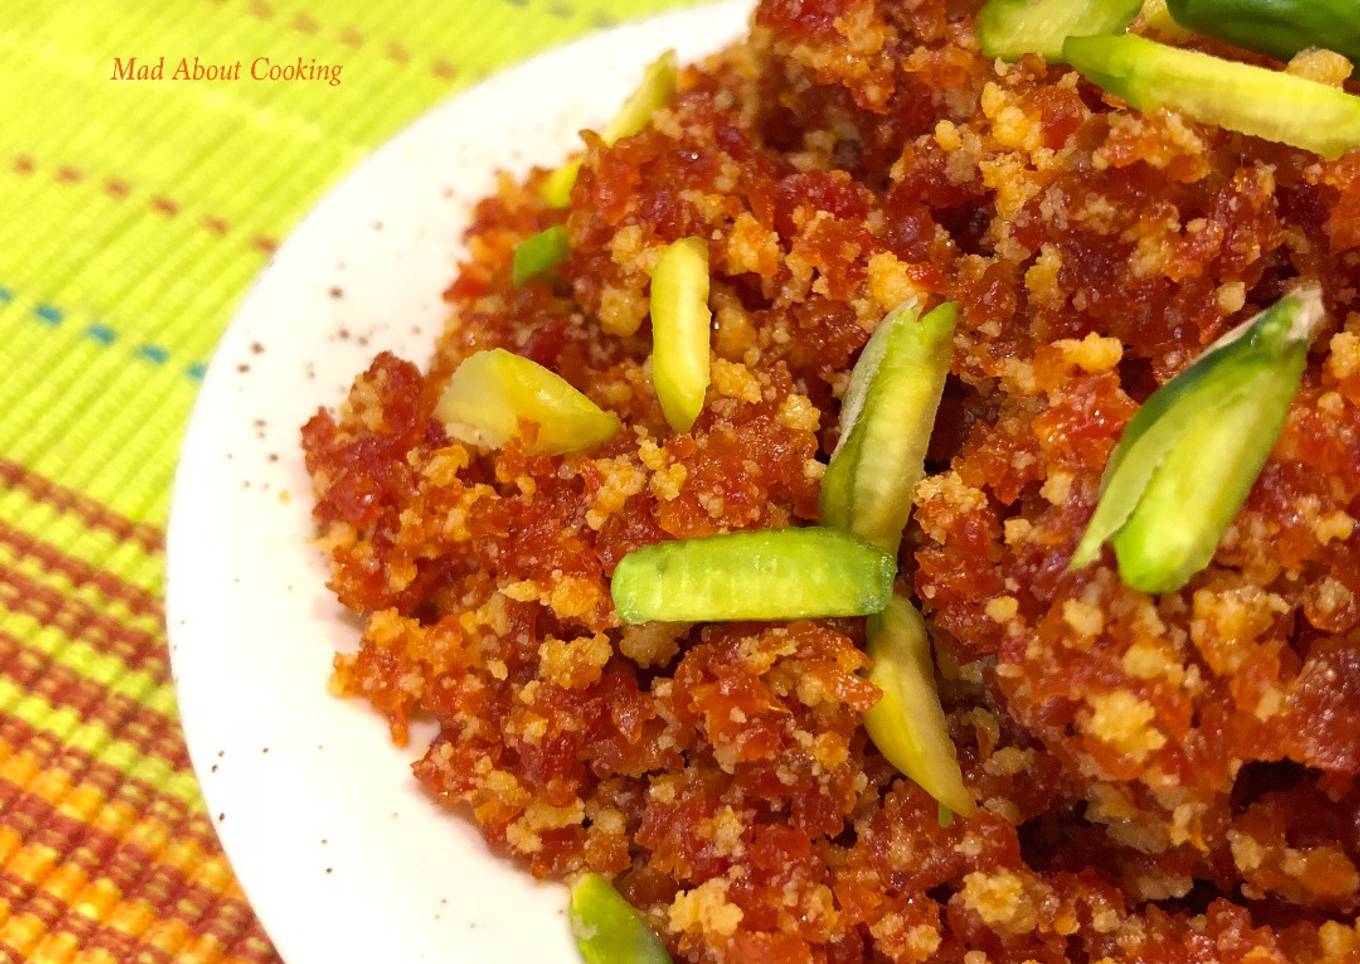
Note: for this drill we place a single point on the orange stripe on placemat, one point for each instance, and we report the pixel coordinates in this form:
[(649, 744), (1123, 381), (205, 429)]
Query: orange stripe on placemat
[(40, 762), (98, 877), (157, 926), (92, 513), (85, 796), (78, 619), (146, 729), (81, 573), (70, 889), (66, 880)]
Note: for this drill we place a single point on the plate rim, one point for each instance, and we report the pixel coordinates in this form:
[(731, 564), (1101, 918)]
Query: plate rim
[(181, 529)]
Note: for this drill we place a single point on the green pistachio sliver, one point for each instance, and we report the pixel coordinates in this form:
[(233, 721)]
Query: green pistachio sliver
[(1280, 28), (1009, 29), (1253, 100), (1187, 460), (887, 416), (907, 724), (556, 187), (772, 574), (655, 92), (608, 930), (538, 254), (681, 331), (493, 394)]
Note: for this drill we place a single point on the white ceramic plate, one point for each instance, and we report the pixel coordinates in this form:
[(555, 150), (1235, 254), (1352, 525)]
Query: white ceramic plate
[(341, 854)]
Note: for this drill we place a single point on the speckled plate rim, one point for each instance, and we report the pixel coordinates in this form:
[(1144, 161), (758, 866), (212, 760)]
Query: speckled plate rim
[(341, 854)]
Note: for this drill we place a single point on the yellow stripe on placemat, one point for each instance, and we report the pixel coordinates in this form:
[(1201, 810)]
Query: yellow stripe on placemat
[(44, 567), (111, 600), (82, 658), (87, 581), (95, 739), (121, 557), (129, 813), (160, 927)]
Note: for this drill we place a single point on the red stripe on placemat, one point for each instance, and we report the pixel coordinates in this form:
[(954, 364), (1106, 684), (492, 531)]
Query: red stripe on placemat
[(150, 731), (170, 895), (112, 783), (78, 620), (349, 35), (87, 510), (81, 573), (120, 189)]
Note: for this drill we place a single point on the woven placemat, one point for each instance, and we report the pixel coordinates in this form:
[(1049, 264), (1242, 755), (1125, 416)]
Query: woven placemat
[(134, 211)]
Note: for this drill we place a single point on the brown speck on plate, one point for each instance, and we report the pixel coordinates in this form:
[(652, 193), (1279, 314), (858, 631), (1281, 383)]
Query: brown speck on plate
[(337, 293)]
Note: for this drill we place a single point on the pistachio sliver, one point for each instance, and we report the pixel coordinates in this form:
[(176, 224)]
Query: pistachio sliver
[(608, 930), (1154, 430), (538, 254), (555, 188), (1280, 28), (1197, 490), (655, 92), (886, 420), (1188, 459), (776, 574), (494, 393), (907, 724), (680, 331), (1252, 100), (1009, 29)]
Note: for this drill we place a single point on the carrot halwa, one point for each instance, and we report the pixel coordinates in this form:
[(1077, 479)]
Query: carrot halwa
[(1166, 778)]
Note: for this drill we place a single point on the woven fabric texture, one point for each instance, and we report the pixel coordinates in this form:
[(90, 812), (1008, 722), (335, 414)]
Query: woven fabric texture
[(133, 214)]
